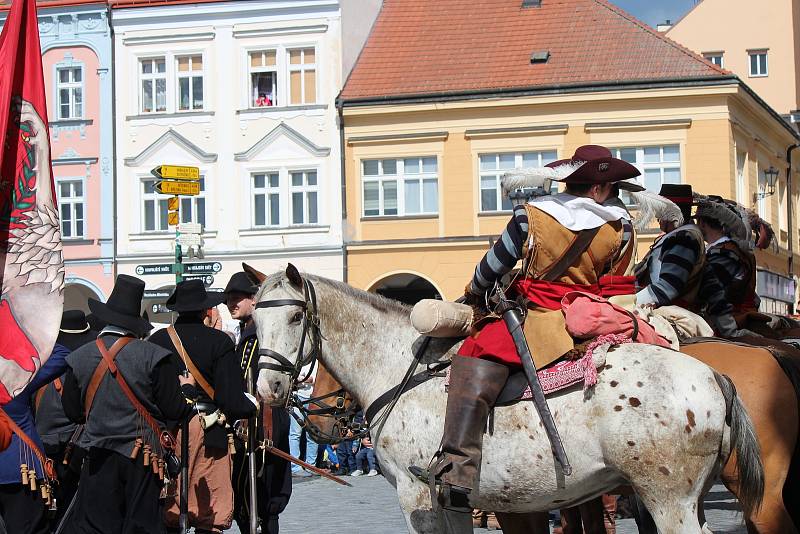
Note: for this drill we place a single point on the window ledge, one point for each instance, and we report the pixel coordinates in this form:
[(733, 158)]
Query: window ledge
[(175, 115), (71, 122), (399, 217), (758, 75), (279, 109), (503, 213), (282, 230), (76, 241), (168, 234)]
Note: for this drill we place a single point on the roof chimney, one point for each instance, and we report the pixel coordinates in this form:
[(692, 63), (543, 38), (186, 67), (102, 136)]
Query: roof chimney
[(531, 3), (664, 26)]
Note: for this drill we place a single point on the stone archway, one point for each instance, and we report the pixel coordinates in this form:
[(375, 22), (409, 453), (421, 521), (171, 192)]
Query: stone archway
[(406, 287), (77, 295)]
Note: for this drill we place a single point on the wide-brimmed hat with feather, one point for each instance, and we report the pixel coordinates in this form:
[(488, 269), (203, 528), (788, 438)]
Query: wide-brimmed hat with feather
[(732, 217), (594, 164)]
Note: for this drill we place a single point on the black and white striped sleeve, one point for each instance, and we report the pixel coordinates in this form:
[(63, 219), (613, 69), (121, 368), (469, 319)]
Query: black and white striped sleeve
[(504, 255)]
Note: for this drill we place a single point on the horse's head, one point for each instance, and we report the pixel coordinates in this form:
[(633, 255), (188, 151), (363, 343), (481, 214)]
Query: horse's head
[(288, 331)]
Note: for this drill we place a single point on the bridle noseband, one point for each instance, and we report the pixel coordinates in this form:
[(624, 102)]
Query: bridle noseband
[(310, 331)]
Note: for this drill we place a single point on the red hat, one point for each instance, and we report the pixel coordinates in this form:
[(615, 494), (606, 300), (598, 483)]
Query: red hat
[(594, 164)]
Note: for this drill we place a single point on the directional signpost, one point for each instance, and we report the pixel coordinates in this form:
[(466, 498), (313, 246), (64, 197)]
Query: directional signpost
[(178, 188), (206, 278), (176, 172), (208, 267), (158, 268)]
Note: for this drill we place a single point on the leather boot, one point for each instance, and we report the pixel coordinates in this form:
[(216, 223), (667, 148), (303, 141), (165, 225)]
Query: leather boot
[(474, 387)]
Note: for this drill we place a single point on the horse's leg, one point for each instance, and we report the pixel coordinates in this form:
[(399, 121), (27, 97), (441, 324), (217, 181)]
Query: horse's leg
[(672, 515), (532, 523), (644, 521)]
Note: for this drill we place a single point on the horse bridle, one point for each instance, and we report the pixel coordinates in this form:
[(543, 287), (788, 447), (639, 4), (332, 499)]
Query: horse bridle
[(311, 332)]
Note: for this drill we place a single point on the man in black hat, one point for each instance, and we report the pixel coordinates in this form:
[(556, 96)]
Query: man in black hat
[(209, 355), (274, 485), (57, 431), (126, 449)]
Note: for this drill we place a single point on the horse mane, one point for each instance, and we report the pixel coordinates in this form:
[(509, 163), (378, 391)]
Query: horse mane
[(378, 302)]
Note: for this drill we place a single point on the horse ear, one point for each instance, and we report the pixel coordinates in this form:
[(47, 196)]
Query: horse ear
[(294, 276), (256, 276)]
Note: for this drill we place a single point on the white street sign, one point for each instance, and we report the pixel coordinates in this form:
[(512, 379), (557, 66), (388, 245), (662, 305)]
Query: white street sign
[(190, 228), (190, 240)]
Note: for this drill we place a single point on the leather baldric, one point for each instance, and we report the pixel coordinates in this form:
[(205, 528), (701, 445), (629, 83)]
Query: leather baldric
[(47, 464), (579, 245), (40, 394), (187, 360), (100, 371)]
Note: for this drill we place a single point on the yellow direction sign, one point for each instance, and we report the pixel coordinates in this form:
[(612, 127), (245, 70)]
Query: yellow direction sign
[(172, 218), (178, 188), (176, 172), (172, 204)]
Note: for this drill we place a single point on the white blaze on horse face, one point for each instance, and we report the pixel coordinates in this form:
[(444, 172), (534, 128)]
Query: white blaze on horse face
[(279, 330)]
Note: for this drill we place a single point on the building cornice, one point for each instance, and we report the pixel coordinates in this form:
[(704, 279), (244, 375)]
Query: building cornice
[(516, 131), (415, 136)]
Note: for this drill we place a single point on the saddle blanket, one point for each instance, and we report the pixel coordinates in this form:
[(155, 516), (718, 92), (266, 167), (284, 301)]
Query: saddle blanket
[(565, 373)]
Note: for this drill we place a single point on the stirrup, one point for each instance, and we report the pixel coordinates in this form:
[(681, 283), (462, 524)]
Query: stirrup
[(421, 474)]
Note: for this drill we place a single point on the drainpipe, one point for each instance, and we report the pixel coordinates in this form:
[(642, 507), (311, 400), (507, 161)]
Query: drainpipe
[(112, 73), (342, 167), (789, 211)]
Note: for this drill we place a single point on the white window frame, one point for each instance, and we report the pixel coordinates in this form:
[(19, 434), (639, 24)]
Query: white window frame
[(304, 189), (153, 78), (157, 199), (71, 87), (277, 86), (717, 58), (756, 53), (662, 165), (191, 75), (72, 202), (400, 178), (192, 202), (267, 191), (497, 172), (301, 68)]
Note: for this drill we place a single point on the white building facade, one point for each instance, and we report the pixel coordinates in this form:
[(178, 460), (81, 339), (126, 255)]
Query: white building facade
[(245, 91)]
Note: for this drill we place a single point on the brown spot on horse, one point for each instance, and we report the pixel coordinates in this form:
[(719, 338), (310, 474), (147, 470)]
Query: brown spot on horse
[(614, 383), (631, 443), (690, 417), (622, 397), (633, 401), (617, 408), (663, 470), (639, 384)]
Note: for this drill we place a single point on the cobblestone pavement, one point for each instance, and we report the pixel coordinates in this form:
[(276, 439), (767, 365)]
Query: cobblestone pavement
[(370, 507)]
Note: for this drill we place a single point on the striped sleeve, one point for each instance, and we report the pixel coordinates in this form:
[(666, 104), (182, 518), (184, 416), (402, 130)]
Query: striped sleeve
[(712, 294), (680, 253), (504, 255), (726, 266)]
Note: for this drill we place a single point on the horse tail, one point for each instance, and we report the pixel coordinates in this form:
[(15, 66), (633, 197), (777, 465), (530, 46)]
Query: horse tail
[(791, 488), (749, 468)]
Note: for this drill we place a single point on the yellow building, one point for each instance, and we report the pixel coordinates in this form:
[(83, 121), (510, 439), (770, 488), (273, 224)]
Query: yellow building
[(444, 99), (757, 42)]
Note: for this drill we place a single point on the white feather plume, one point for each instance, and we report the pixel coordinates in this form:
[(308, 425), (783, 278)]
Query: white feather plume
[(653, 206), (532, 178)]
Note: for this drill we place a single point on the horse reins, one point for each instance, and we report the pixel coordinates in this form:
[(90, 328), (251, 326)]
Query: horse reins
[(311, 331)]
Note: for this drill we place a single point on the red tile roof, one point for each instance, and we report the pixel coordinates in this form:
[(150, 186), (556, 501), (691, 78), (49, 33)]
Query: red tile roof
[(426, 47)]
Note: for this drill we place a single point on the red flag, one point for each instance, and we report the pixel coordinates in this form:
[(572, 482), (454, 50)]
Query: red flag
[(30, 239)]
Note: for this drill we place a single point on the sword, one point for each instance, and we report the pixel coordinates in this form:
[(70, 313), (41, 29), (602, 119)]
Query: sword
[(314, 469), (513, 319)]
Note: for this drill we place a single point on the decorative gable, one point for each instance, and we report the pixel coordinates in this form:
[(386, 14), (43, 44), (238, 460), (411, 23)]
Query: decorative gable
[(284, 141), (171, 137)]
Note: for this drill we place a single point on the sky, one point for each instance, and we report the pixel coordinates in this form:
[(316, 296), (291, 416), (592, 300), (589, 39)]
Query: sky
[(655, 11)]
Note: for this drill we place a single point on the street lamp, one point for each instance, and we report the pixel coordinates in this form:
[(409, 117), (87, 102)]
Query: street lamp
[(770, 178)]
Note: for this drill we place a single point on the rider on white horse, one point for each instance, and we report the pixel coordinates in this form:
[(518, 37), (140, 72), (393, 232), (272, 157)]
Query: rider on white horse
[(540, 233)]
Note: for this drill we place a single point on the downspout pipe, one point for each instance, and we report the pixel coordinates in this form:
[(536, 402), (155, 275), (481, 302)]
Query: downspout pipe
[(789, 210), (342, 168)]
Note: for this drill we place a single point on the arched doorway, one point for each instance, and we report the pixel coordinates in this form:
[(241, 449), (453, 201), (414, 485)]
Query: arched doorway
[(406, 287), (77, 295)]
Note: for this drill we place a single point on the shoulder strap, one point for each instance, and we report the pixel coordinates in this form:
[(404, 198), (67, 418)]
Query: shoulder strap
[(47, 465), (187, 360), (100, 371), (117, 374), (578, 246), (37, 400)]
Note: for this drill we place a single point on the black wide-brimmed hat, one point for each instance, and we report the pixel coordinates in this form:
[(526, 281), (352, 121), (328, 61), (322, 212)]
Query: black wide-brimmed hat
[(594, 164), (123, 306), (191, 295), (241, 283), (682, 195), (75, 331)]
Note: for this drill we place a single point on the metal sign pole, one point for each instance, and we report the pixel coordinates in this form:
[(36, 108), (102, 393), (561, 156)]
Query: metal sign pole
[(183, 518)]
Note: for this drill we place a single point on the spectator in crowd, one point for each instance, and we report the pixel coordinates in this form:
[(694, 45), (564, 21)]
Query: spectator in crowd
[(365, 454), (303, 393)]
